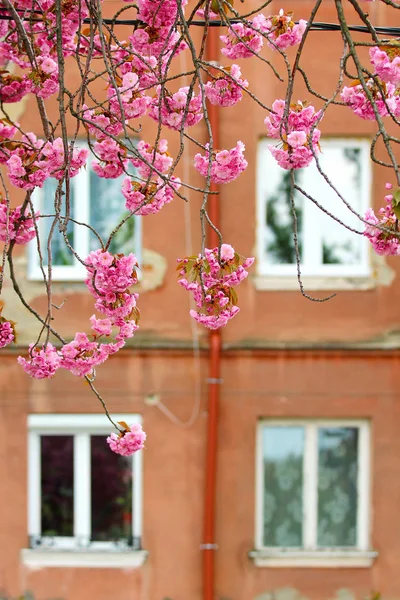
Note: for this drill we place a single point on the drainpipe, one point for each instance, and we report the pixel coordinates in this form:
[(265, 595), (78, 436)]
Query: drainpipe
[(214, 377)]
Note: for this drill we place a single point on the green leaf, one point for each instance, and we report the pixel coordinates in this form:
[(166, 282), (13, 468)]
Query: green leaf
[(396, 203), (233, 296)]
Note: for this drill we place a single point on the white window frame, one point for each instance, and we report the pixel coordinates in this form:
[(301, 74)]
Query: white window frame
[(81, 427), (310, 238), (309, 554), (80, 184)]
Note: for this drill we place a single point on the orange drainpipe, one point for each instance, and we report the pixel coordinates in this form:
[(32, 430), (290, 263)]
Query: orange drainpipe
[(214, 372)]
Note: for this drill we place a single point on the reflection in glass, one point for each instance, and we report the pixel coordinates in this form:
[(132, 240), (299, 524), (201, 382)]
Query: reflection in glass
[(107, 209), (283, 486), (60, 254), (57, 485), (111, 489), (332, 244), (337, 486)]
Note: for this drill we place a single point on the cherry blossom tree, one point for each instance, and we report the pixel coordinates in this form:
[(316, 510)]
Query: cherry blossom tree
[(41, 39)]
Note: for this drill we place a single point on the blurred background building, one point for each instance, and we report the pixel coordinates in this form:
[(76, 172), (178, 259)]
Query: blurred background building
[(308, 445)]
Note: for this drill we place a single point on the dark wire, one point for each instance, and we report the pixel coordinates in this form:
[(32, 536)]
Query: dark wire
[(394, 31)]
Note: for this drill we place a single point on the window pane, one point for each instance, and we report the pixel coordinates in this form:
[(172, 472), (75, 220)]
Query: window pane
[(338, 245), (107, 208), (279, 245), (283, 486), (337, 486), (57, 485), (322, 241), (60, 254), (111, 485)]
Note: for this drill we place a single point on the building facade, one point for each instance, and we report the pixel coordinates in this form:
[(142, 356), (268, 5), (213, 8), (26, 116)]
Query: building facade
[(308, 445)]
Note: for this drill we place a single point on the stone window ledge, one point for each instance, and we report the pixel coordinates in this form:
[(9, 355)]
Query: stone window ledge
[(274, 283), (323, 559), (42, 558)]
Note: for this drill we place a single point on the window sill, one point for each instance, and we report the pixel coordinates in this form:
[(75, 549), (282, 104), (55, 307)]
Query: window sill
[(41, 558), (275, 283), (330, 559)]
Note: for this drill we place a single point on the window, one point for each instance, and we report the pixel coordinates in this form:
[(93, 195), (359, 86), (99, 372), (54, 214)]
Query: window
[(94, 200), (327, 249), (82, 496), (313, 488)]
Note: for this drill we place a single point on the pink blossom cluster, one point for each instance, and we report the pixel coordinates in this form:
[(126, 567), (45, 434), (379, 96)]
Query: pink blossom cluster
[(386, 61), (82, 355), (384, 95), (13, 87), (226, 87), (157, 14), (42, 363), (299, 135), (52, 159), (112, 161), (109, 280), (201, 12), (101, 123), (242, 41), (226, 165), (21, 160), (383, 242), (149, 198), (7, 334), (158, 157), (128, 441), (7, 130), (152, 49), (44, 78), (280, 30), (41, 78), (127, 99), (211, 278), (31, 161), (16, 226), (182, 109)]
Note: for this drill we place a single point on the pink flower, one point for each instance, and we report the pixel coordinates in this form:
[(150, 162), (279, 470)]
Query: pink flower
[(13, 88), (176, 110), (101, 326), (43, 363), (156, 46), (128, 441), (241, 41), (297, 138), (157, 157), (386, 61), (226, 165), (301, 117), (6, 333), (226, 90), (148, 198), (157, 13), (383, 242), (20, 227), (108, 122), (298, 133), (129, 98), (81, 356), (15, 167), (384, 96), (281, 31), (211, 284), (227, 252)]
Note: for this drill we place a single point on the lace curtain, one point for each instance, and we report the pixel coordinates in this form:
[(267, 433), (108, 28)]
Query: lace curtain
[(283, 486)]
